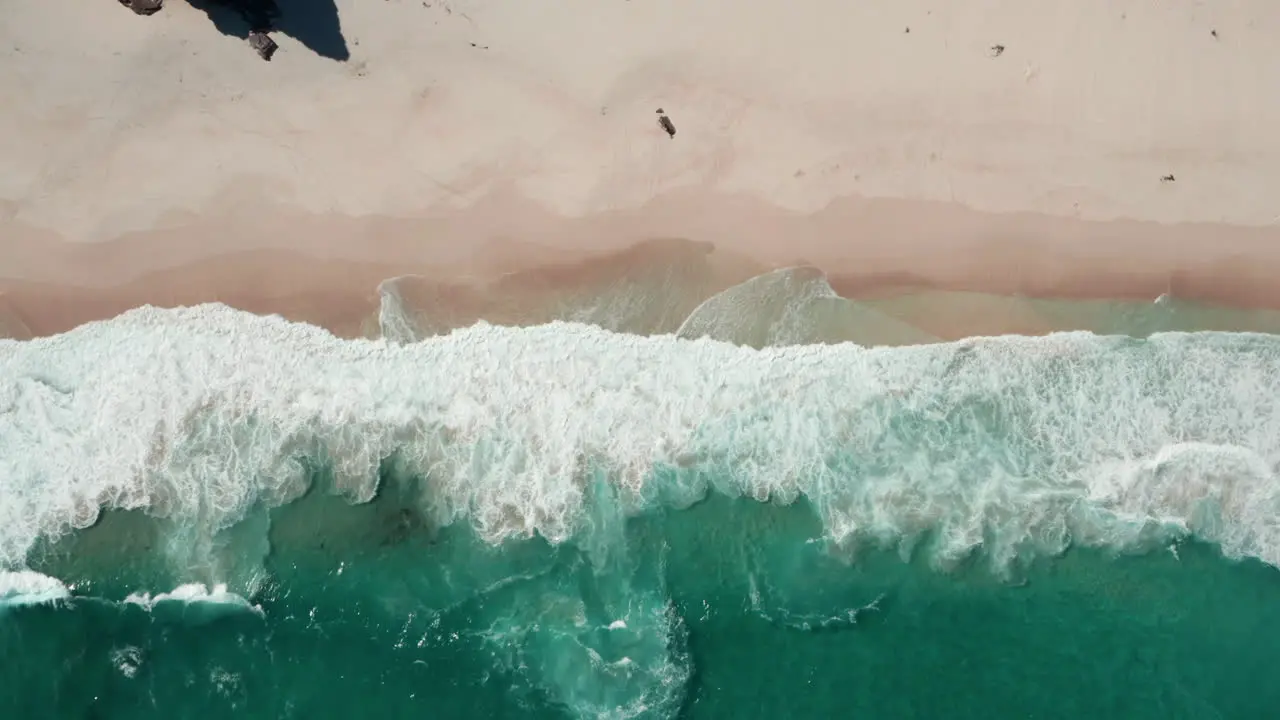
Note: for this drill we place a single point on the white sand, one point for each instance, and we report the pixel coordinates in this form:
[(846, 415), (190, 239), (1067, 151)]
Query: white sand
[(160, 133)]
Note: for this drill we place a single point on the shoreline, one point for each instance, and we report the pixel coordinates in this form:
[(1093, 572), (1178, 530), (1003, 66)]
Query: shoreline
[(326, 270)]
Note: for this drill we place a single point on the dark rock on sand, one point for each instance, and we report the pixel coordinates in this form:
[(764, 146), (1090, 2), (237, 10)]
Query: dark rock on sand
[(143, 7), (313, 23), (262, 44)]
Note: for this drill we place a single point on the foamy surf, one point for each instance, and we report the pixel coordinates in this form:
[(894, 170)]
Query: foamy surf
[(560, 521), (24, 587), (195, 600), (1016, 445)]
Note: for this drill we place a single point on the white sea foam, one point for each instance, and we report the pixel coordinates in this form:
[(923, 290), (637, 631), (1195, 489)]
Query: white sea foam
[(25, 587), (215, 601), (127, 660), (190, 593), (1016, 444)]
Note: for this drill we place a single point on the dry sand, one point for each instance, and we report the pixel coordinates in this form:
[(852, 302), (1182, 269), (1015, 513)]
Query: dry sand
[(155, 160)]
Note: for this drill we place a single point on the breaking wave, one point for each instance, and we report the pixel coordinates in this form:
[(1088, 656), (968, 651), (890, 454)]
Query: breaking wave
[(559, 507), (25, 587), (1014, 445)]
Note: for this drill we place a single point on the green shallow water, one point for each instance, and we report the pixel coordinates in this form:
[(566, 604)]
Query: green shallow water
[(733, 609)]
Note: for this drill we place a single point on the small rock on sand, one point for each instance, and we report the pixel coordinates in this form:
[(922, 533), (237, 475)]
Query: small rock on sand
[(143, 7), (263, 44)]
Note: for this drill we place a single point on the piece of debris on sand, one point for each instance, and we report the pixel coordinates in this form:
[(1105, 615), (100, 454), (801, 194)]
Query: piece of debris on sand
[(263, 44), (143, 7), (665, 123)]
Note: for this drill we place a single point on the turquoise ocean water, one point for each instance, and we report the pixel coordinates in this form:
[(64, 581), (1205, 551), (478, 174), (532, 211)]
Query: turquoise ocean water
[(208, 514)]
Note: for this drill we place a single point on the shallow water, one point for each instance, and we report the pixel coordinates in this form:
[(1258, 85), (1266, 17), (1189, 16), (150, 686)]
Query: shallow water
[(209, 514), (730, 610)]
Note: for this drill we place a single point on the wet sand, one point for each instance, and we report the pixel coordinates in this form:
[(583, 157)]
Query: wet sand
[(868, 249)]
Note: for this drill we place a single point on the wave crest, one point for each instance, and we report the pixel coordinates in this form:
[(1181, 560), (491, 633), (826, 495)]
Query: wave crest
[(25, 587), (1017, 445)]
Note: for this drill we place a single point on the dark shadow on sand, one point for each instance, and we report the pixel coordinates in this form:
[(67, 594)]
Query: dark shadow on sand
[(314, 23)]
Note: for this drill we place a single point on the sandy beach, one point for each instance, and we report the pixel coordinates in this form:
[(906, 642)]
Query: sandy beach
[(505, 154)]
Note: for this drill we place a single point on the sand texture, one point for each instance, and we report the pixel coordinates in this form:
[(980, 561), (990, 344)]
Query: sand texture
[(509, 155)]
